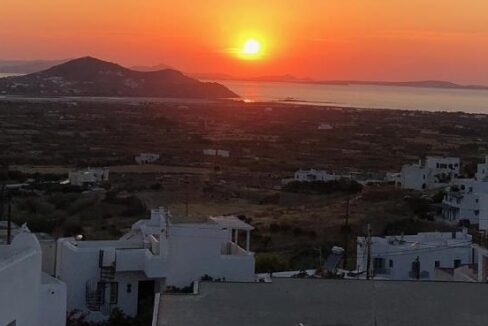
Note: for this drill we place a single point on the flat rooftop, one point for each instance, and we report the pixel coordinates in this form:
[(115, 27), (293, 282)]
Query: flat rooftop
[(318, 302), (423, 240)]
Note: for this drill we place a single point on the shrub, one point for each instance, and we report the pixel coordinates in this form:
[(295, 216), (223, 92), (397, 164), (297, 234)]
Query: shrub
[(269, 263)]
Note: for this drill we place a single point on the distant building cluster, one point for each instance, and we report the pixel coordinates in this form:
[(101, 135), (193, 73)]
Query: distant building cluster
[(314, 175), (88, 177), (146, 158)]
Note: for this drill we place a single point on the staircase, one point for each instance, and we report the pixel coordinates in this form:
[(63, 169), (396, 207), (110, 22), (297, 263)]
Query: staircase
[(107, 274), (93, 295)]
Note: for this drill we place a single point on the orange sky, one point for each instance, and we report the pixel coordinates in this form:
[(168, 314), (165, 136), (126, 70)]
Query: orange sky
[(327, 39)]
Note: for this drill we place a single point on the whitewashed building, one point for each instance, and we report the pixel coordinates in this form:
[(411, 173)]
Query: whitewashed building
[(466, 199), (28, 297), (462, 200), (314, 175), (435, 172), (482, 171), (90, 176), (146, 158), (216, 152), (414, 256), (325, 126), (102, 275)]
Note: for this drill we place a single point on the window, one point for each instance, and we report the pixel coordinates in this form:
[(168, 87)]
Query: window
[(457, 263), (379, 263), (437, 264), (390, 263)]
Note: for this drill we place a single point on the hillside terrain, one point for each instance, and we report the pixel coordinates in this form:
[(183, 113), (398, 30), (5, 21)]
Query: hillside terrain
[(92, 77)]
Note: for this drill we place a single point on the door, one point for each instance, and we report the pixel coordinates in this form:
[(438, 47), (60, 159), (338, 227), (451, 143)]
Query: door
[(145, 297)]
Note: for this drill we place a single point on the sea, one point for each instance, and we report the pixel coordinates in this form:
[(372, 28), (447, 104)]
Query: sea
[(359, 96), (2, 74), (363, 96)]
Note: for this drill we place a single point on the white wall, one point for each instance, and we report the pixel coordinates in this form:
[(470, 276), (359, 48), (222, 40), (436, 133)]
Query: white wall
[(414, 177), (195, 252), (52, 299), (27, 297), (19, 288), (403, 256), (75, 267)]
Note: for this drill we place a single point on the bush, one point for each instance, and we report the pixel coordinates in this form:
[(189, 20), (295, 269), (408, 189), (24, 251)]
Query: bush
[(269, 263)]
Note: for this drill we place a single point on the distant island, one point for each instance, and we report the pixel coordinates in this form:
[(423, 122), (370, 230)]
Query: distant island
[(33, 66), (93, 77), (293, 79), (27, 66)]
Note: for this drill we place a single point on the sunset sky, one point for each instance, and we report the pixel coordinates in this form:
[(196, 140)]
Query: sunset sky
[(321, 39)]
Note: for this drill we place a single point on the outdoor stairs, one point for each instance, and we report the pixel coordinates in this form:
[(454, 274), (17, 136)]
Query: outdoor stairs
[(93, 296), (107, 274)]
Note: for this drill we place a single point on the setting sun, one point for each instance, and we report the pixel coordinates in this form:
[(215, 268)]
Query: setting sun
[(251, 49), (251, 46)]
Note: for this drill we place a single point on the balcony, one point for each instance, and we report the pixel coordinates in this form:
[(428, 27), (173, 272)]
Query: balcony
[(232, 249)]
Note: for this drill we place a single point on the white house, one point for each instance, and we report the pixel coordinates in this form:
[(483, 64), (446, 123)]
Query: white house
[(435, 172), (145, 158), (482, 172), (216, 152), (155, 254), (463, 198), (88, 176), (314, 175), (28, 297), (325, 126), (414, 256)]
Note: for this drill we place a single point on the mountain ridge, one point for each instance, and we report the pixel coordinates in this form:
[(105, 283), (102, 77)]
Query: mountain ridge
[(88, 76)]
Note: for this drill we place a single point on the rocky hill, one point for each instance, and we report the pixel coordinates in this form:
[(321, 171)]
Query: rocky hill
[(93, 77)]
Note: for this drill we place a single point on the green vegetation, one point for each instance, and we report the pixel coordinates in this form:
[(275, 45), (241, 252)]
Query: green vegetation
[(322, 188), (269, 263), (117, 318)]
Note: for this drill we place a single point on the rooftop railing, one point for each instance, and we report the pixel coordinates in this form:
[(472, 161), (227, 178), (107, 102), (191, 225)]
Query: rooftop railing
[(230, 248)]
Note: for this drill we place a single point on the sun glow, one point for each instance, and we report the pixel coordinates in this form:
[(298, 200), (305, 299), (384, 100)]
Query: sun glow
[(250, 49)]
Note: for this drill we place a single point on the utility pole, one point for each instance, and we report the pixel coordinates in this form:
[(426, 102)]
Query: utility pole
[(2, 192), (368, 262), (187, 195), (9, 220), (417, 267), (346, 230)]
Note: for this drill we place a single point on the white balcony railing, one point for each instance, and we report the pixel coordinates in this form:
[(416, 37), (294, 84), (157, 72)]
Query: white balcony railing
[(230, 248)]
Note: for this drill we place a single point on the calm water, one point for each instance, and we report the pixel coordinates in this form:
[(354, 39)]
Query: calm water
[(8, 74), (389, 97)]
